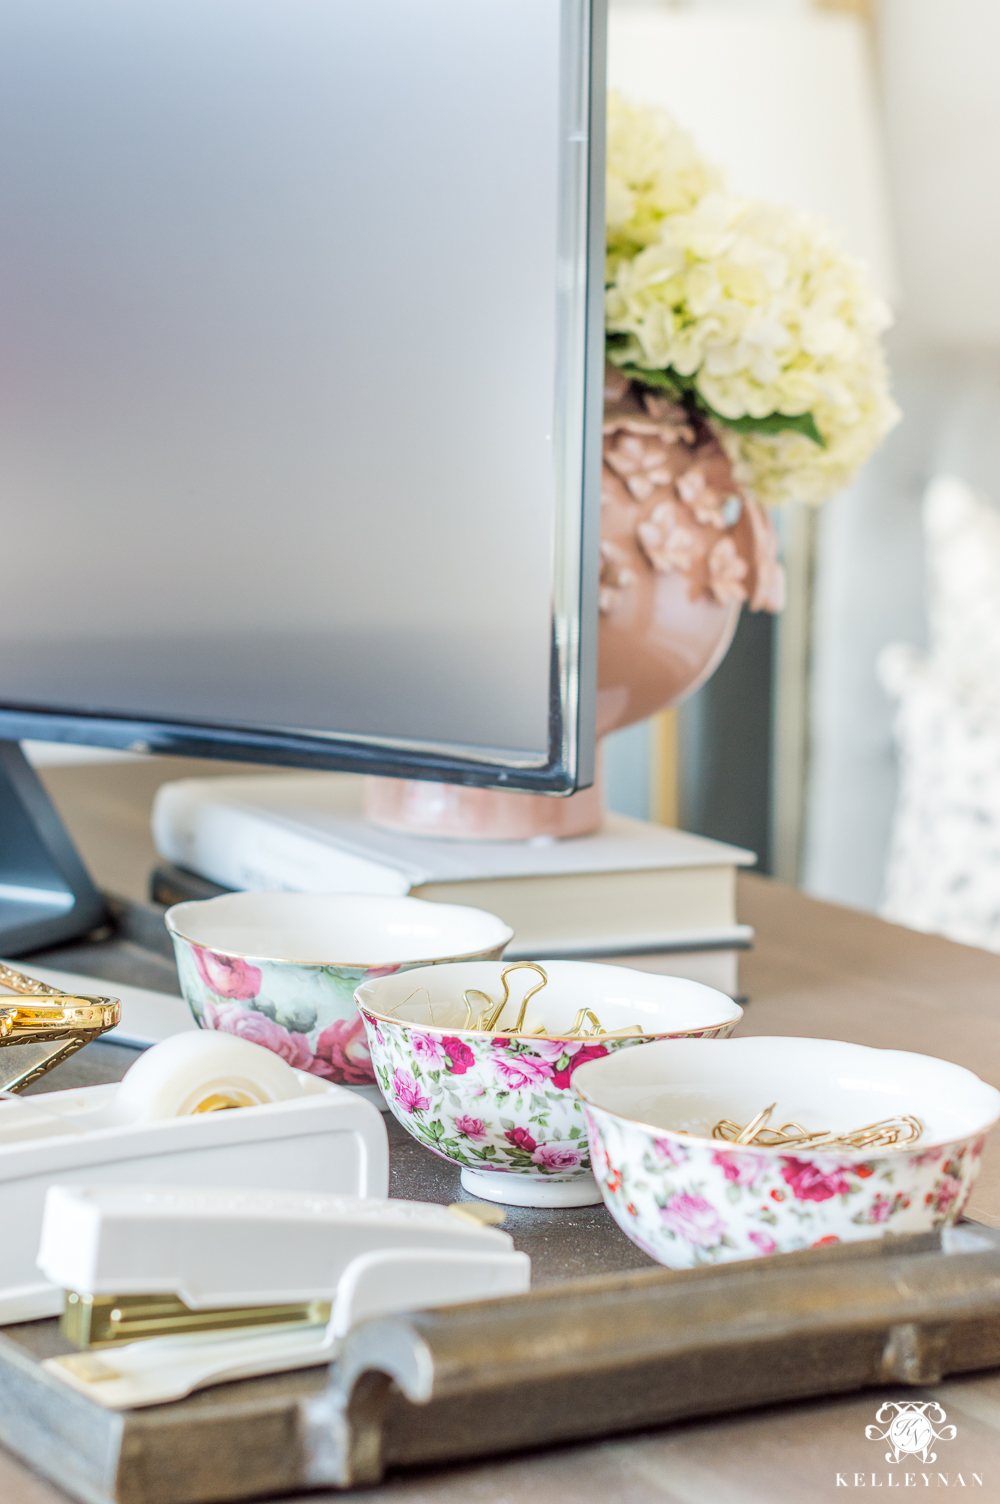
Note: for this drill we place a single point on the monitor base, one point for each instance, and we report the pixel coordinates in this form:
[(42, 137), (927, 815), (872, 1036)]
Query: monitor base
[(458, 812), (46, 894)]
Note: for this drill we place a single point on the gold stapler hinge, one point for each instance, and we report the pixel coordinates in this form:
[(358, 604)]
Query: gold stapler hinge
[(90, 1321)]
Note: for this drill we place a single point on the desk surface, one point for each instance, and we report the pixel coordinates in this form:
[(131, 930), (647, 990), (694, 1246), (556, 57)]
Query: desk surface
[(817, 970)]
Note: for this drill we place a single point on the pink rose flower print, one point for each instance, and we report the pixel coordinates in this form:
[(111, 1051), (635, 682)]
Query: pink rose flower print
[(521, 1070), (762, 1241), (427, 1048), (585, 1052), (227, 976), (947, 1190), (408, 1093), (557, 1157), (342, 1053), (521, 1139), (553, 1049), (694, 1219), (472, 1128), (881, 1209), (809, 1182), (245, 1023), (669, 1152), (740, 1169), (460, 1057)]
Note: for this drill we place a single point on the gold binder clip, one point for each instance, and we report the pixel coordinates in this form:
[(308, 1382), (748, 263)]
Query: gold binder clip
[(41, 1027), (489, 1017)]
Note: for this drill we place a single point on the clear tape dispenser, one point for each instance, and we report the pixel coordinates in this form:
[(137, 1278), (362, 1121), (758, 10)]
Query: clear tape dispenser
[(171, 1120)]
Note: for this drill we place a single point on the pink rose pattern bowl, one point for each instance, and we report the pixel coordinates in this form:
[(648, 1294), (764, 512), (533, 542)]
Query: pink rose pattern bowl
[(304, 1013), (491, 1101), (689, 1201)]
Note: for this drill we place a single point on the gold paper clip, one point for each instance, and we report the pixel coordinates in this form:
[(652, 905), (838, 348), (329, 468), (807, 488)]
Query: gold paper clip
[(888, 1133)]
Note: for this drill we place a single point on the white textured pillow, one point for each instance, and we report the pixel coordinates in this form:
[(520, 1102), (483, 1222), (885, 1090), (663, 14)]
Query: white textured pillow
[(943, 870), (962, 533)]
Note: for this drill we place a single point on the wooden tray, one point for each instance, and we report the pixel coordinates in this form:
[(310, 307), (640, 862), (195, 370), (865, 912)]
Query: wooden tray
[(606, 1342)]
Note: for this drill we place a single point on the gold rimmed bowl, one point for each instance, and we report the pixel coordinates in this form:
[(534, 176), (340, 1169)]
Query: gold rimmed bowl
[(840, 1142), (280, 969), (476, 1064)]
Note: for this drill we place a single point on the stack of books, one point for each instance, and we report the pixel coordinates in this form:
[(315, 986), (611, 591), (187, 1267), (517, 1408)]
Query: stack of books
[(635, 893)]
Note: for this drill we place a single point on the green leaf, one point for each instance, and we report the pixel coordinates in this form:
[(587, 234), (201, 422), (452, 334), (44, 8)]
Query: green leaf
[(803, 423), (683, 389), (660, 381)]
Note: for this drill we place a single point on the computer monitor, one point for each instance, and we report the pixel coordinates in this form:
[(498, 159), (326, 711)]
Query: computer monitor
[(301, 350)]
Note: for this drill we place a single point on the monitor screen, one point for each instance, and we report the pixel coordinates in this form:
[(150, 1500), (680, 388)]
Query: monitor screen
[(300, 369)]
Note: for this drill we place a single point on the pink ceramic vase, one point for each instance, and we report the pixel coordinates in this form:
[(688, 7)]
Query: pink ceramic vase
[(682, 550)]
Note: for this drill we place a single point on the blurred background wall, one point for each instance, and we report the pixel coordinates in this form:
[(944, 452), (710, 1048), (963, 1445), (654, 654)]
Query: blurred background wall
[(885, 117)]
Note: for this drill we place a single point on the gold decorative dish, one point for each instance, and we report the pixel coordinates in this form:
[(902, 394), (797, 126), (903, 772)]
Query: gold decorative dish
[(40, 1027)]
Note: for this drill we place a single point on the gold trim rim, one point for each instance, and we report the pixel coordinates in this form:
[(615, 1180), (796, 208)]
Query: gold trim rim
[(713, 1143), (239, 955), (569, 1039)]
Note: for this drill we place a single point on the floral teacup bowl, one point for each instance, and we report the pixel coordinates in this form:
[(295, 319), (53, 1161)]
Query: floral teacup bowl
[(494, 1098), (280, 969), (687, 1198)]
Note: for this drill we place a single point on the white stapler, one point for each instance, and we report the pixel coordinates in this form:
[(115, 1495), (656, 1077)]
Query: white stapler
[(179, 1287), (163, 1123)]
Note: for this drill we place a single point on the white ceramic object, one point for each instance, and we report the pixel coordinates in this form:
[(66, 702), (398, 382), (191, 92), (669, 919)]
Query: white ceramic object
[(303, 1134), (280, 969), (687, 1199), (498, 1103), (223, 1248)]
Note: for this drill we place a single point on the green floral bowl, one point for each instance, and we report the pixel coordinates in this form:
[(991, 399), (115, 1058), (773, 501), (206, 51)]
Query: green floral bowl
[(281, 969)]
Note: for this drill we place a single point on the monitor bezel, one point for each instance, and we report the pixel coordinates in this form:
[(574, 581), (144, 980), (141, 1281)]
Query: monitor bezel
[(568, 763)]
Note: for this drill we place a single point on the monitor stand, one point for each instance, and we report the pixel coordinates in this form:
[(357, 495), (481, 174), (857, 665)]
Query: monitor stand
[(46, 895)]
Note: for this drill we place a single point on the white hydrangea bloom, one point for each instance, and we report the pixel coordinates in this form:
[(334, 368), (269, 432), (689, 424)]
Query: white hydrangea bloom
[(654, 169), (757, 305)]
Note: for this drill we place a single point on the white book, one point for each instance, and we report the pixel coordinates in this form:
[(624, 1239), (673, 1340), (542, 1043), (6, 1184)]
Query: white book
[(632, 889)]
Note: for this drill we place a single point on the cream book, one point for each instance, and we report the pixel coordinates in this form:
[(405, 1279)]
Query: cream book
[(631, 890)]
